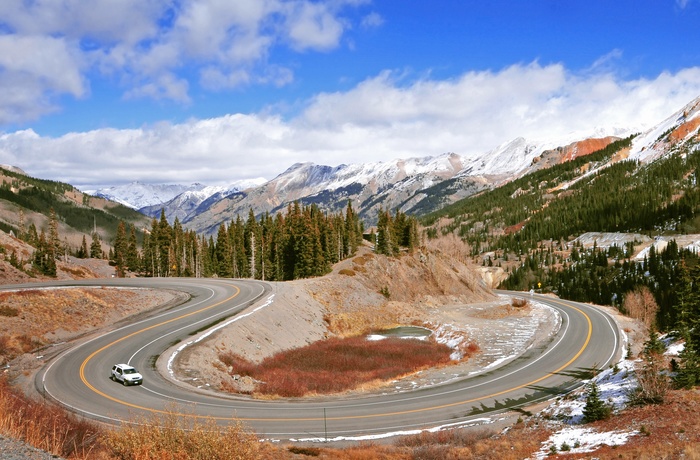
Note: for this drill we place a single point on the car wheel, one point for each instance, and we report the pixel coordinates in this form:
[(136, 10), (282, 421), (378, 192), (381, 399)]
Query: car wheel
[(125, 382), (111, 377)]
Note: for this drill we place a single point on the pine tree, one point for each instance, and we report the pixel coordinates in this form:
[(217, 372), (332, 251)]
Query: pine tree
[(132, 251), (118, 254), (595, 409), (54, 240), (96, 247), (165, 237), (83, 251), (688, 374)]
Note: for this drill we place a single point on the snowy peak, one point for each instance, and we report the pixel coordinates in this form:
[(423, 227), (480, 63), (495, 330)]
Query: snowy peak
[(13, 169), (667, 135), (138, 195)]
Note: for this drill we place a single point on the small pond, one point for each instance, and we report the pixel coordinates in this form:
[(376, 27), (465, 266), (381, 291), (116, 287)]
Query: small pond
[(402, 332)]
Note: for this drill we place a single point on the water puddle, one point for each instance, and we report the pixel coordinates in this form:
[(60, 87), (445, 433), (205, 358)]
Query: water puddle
[(402, 332)]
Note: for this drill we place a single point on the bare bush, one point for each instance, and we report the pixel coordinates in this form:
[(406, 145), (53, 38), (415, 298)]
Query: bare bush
[(640, 304), (336, 364), (519, 303)]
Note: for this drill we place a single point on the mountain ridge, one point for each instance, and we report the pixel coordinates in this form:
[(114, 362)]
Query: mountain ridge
[(403, 184)]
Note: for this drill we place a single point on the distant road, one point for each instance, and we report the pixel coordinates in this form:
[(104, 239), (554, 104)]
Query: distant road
[(78, 378)]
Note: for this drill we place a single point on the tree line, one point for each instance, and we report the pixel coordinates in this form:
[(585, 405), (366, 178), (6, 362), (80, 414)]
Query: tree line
[(299, 243)]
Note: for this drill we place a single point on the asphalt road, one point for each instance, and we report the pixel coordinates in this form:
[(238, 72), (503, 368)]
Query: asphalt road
[(79, 377)]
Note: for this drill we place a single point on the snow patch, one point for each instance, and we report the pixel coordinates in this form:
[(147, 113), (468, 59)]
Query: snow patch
[(179, 349), (580, 440)]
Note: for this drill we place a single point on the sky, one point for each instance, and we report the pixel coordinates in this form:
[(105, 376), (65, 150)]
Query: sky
[(99, 93)]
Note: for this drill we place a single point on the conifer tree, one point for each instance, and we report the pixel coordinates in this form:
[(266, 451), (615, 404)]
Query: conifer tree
[(83, 251), (95, 247), (164, 241), (595, 409), (688, 374), (118, 252), (132, 251), (54, 240)]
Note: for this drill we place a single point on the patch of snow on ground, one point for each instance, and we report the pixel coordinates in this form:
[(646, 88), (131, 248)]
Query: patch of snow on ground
[(576, 440), (453, 337), (675, 349), (614, 386)]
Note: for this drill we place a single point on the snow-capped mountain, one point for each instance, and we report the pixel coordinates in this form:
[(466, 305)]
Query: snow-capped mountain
[(186, 203), (661, 139), (414, 185), (137, 195), (140, 196)]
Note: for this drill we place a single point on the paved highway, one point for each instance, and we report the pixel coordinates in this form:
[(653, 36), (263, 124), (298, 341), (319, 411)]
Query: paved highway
[(78, 378)]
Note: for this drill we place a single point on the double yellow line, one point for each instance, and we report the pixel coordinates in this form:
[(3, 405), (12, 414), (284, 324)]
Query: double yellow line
[(133, 334)]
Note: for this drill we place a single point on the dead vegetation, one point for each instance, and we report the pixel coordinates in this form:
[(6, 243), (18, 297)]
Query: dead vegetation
[(44, 426), (338, 364), (34, 318), (174, 436)]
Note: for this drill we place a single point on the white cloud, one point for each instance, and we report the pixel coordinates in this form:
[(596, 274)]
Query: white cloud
[(372, 20), (32, 69), (313, 26), (382, 118), (154, 47)]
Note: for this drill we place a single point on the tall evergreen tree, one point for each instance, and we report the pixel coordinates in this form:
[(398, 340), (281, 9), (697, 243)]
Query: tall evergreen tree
[(688, 374), (132, 251), (118, 253), (95, 247), (83, 252)]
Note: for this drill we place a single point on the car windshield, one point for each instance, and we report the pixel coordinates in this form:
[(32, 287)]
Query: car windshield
[(129, 371)]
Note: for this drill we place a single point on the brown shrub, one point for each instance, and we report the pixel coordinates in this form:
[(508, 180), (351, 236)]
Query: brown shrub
[(8, 311), (174, 436), (519, 303), (27, 343), (46, 427), (346, 271), (336, 364)]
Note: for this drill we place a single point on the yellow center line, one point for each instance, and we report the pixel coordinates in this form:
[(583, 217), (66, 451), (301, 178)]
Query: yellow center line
[(346, 417), (95, 353)]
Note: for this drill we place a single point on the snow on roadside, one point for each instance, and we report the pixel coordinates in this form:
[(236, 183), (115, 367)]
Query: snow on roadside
[(614, 385)]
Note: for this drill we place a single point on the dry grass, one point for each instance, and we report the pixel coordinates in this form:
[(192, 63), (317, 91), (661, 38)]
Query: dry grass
[(352, 323), (46, 427), (336, 365), (33, 318), (173, 436)]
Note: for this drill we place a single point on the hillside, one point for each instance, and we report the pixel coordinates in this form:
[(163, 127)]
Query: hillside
[(646, 182), (27, 202)]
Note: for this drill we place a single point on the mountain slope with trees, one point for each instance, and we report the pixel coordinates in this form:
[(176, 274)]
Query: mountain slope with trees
[(642, 185)]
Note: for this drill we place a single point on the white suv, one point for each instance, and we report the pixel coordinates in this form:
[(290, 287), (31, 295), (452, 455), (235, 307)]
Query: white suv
[(126, 374)]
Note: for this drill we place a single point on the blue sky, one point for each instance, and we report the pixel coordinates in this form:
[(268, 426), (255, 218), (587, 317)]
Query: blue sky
[(99, 93)]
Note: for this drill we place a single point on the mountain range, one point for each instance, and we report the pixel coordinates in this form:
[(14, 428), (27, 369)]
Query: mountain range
[(414, 186)]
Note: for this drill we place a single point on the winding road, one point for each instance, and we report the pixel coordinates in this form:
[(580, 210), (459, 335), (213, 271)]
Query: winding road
[(78, 378)]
